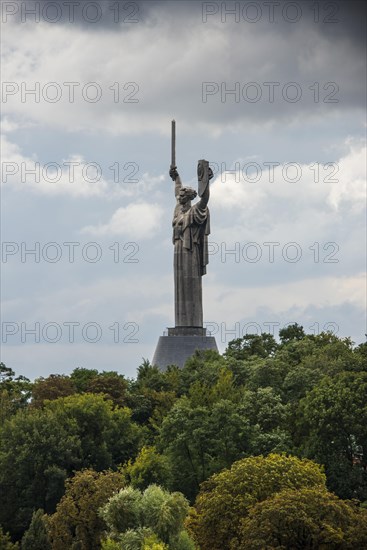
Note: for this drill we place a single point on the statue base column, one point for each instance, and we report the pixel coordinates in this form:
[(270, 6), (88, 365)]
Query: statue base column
[(180, 343)]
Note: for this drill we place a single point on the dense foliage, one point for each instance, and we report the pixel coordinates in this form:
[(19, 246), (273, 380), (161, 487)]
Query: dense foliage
[(226, 498), (70, 443)]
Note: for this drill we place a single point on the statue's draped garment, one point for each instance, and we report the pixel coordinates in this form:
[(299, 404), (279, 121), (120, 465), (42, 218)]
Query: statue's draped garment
[(190, 239)]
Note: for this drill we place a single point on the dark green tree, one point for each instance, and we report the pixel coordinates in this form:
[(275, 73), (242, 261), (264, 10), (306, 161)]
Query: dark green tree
[(199, 441), (291, 332), (36, 537), (80, 378), (37, 453), (40, 448), (111, 384), (15, 392), (52, 387), (263, 345), (332, 428)]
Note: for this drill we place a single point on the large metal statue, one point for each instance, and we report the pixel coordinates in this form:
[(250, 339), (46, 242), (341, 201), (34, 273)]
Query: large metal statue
[(190, 238), (191, 228)]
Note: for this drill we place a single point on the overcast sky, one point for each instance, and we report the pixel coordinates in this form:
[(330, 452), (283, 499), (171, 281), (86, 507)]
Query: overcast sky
[(271, 93)]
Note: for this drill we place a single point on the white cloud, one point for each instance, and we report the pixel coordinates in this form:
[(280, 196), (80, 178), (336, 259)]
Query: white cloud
[(304, 210), (10, 124), (138, 221), (232, 304), (73, 176), (351, 187)]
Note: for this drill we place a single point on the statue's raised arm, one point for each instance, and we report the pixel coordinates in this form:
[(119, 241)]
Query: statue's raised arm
[(205, 173), (174, 175)]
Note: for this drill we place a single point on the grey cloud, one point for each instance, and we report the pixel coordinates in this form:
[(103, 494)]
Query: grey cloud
[(186, 67)]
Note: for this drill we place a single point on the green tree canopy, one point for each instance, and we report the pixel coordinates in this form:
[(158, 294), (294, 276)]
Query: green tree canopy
[(6, 542), (52, 387), (37, 453), (333, 430), (199, 441), (37, 536), (111, 384), (263, 345), (106, 433), (226, 498), (76, 522), (149, 468), (80, 378), (15, 392), (291, 332), (134, 517), (40, 448), (303, 518)]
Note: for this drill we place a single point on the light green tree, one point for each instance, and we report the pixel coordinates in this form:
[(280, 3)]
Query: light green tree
[(134, 518), (148, 468), (226, 498), (5, 541)]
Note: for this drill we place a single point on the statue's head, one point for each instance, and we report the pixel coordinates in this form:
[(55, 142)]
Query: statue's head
[(186, 195)]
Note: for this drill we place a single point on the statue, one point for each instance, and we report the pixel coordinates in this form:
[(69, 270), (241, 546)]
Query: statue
[(190, 239), (191, 227)]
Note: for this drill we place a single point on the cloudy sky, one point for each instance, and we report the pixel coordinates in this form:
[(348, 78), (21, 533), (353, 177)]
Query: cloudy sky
[(271, 93)]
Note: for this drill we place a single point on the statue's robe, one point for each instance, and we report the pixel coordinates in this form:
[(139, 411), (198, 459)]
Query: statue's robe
[(190, 239)]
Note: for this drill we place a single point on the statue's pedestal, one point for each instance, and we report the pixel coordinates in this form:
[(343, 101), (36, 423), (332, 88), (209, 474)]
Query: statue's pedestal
[(179, 344)]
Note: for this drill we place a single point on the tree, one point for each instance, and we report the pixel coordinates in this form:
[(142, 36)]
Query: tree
[(133, 518), (208, 391), (52, 387), (268, 418), (204, 367), (36, 537), (110, 384), (106, 433), (37, 453), (151, 377), (5, 541), (76, 522), (332, 428), (291, 332), (40, 448), (265, 373), (80, 378), (149, 468), (264, 406), (303, 518), (226, 498), (199, 441), (263, 345), (361, 353), (15, 392)]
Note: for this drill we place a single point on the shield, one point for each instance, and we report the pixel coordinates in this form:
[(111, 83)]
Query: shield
[(203, 176)]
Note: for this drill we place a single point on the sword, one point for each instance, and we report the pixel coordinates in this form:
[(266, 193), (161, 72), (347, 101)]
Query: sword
[(173, 144)]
